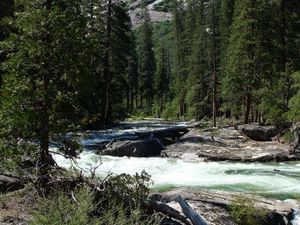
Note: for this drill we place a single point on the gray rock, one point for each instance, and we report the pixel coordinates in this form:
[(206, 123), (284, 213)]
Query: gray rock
[(257, 132), (214, 206), (227, 145), (8, 184), (140, 148)]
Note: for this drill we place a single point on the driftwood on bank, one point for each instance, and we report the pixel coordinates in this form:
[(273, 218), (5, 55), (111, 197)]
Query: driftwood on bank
[(187, 210), (188, 215), (166, 210)]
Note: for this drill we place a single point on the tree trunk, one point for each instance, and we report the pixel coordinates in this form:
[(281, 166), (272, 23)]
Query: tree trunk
[(214, 91), (128, 100), (131, 101), (161, 104), (44, 141), (107, 75), (248, 108), (44, 123), (141, 101), (189, 212)]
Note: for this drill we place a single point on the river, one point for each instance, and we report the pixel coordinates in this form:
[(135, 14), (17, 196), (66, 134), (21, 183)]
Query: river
[(276, 180)]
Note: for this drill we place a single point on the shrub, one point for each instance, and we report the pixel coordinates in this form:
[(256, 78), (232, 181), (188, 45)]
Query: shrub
[(244, 212), (119, 203), (288, 137), (61, 208)]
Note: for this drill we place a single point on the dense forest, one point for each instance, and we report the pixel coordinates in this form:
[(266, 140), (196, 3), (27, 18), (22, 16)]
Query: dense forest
[(71, 72), (67, 65), (232, 59)]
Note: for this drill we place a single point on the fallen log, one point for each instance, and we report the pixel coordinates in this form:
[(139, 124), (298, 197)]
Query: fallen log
[(166, 210), (187, 210)]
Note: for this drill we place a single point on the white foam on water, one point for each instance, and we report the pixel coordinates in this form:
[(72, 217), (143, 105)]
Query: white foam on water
[(254, 177)]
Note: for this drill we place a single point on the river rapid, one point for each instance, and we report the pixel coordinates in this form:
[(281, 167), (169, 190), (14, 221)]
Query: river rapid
[(276, 180)]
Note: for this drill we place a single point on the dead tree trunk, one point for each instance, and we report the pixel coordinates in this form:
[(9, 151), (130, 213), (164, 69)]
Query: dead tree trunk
[(187, 210), (248, 108)]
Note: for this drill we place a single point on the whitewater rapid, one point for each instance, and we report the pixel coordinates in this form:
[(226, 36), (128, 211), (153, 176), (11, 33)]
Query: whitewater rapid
[(281, 180), (276, 180)]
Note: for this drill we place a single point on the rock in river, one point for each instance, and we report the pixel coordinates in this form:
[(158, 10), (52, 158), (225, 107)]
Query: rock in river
[(138, 148), (227, 144), (257, 132)]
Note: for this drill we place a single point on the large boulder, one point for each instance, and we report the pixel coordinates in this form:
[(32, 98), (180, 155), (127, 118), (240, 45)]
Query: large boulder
[(296, 136), (257, 132), (139, 148), (8, 184)]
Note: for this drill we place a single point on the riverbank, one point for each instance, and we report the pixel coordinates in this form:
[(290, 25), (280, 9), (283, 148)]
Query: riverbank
[(209, 167), (245, 143), (228, 144), (215, 207)]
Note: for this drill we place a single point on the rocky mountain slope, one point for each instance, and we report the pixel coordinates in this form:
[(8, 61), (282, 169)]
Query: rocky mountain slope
[(158, 10)]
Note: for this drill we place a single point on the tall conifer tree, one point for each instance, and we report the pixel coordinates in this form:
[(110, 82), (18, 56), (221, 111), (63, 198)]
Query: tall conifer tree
[(147, 61), (244, 58)]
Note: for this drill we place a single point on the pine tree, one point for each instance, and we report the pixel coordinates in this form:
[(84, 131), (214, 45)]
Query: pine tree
[(225, 22), (147, 62), (42, 74), (162, 77), (212, 23), (181, 74), (132, 76), (288, 29), (122, 54), (199, 96), (112, 63), (244, 58), (6, 10)]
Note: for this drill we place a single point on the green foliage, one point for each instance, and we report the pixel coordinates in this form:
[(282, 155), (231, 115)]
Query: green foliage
[(147, 63), (130, 189), (244, 211), (288, 137), (294, 104), (162, 77), (60, 208), (64, 209), (118, 204)]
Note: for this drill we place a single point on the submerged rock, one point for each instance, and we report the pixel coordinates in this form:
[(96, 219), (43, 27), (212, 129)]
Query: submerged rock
[(257, 132)]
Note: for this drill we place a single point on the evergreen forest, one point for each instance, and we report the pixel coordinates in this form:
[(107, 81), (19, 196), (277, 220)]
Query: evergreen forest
[(74, 66)]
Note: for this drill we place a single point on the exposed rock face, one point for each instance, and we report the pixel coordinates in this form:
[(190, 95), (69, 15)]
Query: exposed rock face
[(214, 206), (136, 14), (140, 148), (8, 184), (257, 132), (296, 134), (227, 144)]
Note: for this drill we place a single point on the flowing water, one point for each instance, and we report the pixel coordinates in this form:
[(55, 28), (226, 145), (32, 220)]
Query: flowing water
[(170, 173), (276, 180)]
